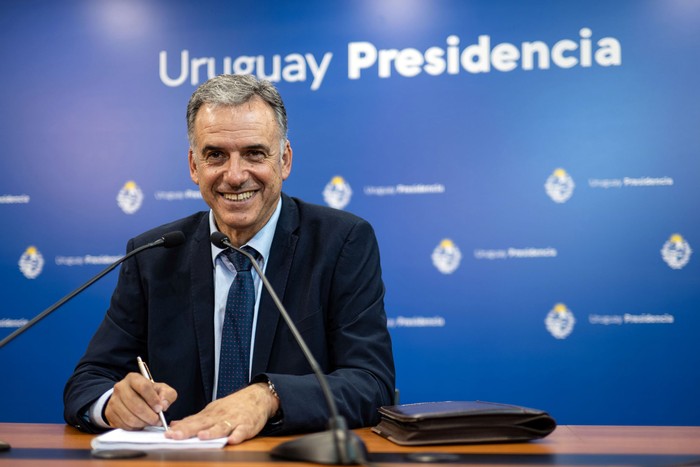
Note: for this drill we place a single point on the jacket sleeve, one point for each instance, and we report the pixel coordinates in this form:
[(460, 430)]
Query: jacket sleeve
[(356, 354), (110, 353)]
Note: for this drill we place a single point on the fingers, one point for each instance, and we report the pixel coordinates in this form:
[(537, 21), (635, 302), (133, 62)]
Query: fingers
[(136, 402), (239, 417), (220, 429), (212, 422), (166, 394), (120, 414), (239, 435)]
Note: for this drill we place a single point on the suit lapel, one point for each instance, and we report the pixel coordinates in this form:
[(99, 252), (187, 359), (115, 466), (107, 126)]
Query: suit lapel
[(277, 271), (202, 300)]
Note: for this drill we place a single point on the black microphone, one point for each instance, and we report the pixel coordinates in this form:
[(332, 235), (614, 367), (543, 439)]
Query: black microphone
[(169, 240), (337, 445)]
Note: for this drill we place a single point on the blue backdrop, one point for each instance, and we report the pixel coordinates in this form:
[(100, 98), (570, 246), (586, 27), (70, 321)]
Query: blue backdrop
[(531, 170)]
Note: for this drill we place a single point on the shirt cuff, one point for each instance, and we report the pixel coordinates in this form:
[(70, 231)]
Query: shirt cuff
[(97, 409)]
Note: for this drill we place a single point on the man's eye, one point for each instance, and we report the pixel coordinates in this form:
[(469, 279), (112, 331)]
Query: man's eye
[(256, 155), (214, 156)]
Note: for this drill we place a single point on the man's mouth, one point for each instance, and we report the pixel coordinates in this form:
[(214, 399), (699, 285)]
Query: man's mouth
[(238, 196)]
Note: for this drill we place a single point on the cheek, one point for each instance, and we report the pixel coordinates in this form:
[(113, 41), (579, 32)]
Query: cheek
[(206, 175), (281, 171)]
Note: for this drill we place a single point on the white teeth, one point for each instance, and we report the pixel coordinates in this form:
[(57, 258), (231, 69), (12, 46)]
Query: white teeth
[(239, 196)]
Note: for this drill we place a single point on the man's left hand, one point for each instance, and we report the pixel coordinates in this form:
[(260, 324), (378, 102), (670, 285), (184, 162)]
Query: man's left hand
[(240, 416)]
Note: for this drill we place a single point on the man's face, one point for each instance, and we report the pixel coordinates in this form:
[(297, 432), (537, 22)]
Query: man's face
[(237, 165)]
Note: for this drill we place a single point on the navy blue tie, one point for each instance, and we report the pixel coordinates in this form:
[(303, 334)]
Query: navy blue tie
[(234, 357)]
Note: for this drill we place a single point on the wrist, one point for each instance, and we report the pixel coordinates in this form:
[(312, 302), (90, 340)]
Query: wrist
[(275, 413), (272, 398)]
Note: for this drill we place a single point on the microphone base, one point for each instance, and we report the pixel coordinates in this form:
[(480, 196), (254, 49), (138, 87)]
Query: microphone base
[(320, 448)]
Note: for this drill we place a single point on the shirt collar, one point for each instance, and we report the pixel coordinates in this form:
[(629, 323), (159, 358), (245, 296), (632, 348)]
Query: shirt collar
[(261, 241)]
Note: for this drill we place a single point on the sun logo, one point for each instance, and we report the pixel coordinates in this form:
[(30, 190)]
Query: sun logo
[(31, 263), (446, 257), (130, 197), (337, 193), (676, 252), (559, 186), (560, 321)]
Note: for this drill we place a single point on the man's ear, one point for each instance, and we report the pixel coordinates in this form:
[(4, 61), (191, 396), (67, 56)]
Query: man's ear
[(286, 160), (192, 160)]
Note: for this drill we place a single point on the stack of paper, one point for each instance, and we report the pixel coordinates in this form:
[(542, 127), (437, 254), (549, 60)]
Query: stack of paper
[(150, 439)]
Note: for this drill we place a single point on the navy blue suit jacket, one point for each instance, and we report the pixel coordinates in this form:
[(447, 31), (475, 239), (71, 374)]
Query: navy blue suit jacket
[(323, 264)]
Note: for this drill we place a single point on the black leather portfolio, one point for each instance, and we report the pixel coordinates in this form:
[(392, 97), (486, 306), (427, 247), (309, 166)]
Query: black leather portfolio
[(452, 422)]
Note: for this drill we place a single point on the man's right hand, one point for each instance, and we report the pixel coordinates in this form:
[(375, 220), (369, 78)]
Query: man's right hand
[(136, 402)]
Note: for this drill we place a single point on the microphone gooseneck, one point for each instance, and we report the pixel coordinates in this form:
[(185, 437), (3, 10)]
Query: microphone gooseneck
[(169, 240), (337, 445)]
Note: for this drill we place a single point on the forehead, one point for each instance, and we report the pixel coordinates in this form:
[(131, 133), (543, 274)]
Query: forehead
[(254, 118)]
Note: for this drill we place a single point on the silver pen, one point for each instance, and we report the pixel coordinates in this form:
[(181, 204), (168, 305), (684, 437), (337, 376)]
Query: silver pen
[(147, 374)]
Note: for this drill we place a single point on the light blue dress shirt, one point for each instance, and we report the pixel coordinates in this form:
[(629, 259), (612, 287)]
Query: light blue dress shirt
[(224, 273)]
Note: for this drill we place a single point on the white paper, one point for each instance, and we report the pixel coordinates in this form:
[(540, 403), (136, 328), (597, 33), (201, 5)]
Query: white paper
[(150, 438)]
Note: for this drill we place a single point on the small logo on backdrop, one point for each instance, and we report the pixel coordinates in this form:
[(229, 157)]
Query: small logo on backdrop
[(560, 321), (559, 186), (676, 252), (337, 193), (31, 263), (446, 257), (130, 197)]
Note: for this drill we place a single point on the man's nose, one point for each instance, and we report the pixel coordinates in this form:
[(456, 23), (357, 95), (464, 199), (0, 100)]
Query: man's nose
[(236, 172)]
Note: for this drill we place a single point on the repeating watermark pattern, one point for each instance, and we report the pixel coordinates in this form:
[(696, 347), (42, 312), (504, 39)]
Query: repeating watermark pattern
[(337, 193), (130, 197), (560, 321)]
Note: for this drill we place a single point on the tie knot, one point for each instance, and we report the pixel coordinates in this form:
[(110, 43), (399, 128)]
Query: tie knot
[(241, 261)]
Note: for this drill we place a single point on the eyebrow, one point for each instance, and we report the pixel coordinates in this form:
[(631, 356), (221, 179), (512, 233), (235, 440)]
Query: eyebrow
[(256, 146), (244, 148), (210, 148)]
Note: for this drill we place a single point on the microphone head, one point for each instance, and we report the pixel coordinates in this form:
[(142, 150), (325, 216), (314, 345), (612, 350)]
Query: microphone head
[(219, 240), (172, 239)]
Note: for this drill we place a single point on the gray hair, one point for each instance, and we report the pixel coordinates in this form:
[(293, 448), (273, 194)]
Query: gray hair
[(236, 90)]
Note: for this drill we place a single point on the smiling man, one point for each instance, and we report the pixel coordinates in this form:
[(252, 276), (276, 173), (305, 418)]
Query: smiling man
[(224, 361), (239, 160)]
